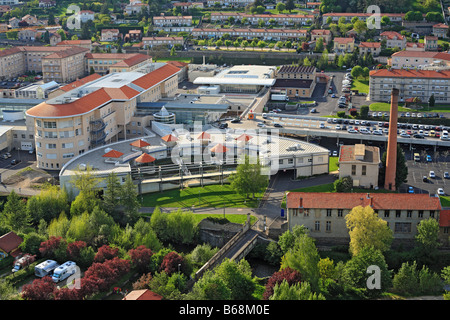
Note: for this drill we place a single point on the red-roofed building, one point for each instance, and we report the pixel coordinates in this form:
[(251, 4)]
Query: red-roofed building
[(373, 48), (344, 45), (444, 226), (321, 33), (407, 81), (144, 294), (440, 30), (9, 245), (393, 39), (103, 63), (324, 213)]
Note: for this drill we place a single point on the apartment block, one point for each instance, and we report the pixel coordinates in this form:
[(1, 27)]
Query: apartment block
[(417, 59), (64, 66), (296, 81), (264, 34), (95, 113), (254, 19), (393, 39), (373, 48), (226, 3), (361, 163), (110, 35), (410, 83), (103, 63), (150, 42), (321, 33), (344, 45), (393, 17)]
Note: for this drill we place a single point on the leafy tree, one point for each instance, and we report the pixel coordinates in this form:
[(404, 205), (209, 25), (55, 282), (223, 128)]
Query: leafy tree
[(298, 291), (172, 263), (49, 204), (129, 201), (345, 184), (290, 5), (289, 275), (201, 254), (237, 278), (249, 178), (112, 194), (209, 287), (39, 289), (411, 281), (58, 226), (140, 258), (14, 214), (355, 271), (105, 252), (428, 234), (319, 45), (304, 258), (7, 291), (366, 229), (32, 242), (280, 7), (357, 71)]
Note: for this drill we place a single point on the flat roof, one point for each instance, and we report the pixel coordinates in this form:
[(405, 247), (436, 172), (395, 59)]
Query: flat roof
[(236, 81)]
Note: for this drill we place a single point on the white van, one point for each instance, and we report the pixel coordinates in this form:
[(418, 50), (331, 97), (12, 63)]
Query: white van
[(264, 115), (64, 271), (444, 135), (45, 268)]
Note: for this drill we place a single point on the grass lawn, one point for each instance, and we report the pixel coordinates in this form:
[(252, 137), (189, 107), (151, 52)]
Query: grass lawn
[(445, 201), (361, 86), (333, 165), (209, 196), (187, 60), (385, 107)]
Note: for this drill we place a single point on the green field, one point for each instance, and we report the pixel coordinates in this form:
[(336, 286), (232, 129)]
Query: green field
[(213, 196), (361, 86), (233, 218), (385, 107), (445, 201), (334, 164)]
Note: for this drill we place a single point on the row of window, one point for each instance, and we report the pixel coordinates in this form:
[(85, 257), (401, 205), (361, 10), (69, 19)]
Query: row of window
[(399, 227), (387, 213)]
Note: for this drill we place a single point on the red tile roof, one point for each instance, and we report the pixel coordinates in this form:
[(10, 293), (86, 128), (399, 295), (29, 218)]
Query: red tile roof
[(134, 60), (139, 143), (145, 158), (440, 26), (113, 154), (399, 73), (144, 294), (370, 45), (73, 42), (66, 53), (392, 35), (383, 201), (344, 40), (152, 78), (10, 241), (80, 82)]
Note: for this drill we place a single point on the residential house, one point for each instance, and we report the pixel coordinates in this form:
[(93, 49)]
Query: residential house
[(4, 9), (373, 48), (77, 43), (173, 23), (321, 33), (86, 15), (393, 39), (3, 27), (415, 46), (361, 163), (185, 6), (55, 38), (31, 20), (416, 59), (324, 214), (9, 2), (133, 35), (344, 45), (9, 245), (27, 34), (431, 43), (143, 294), (229, 3), (254, 19), (14, 22), (47, 3), (135, 7), (440, 30), (110, 35)]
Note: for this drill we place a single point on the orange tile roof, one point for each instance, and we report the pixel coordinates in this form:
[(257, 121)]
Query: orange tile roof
[(139, 143), (73, 42), (10, 241), (80, 82), (440, 26), (390, 35), (113, 154), (145, 158), (66, 53), (152, 78), (383, 201), (134, 60), (400, 73), (344, 40), (144, 294), (370, 45)]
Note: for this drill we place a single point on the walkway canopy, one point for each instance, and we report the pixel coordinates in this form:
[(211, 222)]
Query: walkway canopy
[(145, 158), (140, 143), (113, 154)]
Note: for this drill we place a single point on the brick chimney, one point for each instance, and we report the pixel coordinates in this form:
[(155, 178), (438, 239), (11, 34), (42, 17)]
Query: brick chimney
[(391, 158)]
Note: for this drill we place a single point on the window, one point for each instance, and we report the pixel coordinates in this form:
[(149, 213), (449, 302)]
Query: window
[(50, 124), (317, 226), (51, 155), (364, 170), (409, 214), (67, 145), (420, 213), (328, 212), (68, 155), (328, 226), (398, 213), (50, 135), (340, 212), (353, 169), (51, 146), (402, 227), (386, 213)]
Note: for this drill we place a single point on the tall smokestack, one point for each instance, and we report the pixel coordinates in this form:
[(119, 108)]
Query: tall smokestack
[(391, 159)]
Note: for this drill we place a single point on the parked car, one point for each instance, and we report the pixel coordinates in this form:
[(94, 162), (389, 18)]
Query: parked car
[(440, 192), (410, 190), (15, 161), (429, 159), (432, 174), (446, 175)]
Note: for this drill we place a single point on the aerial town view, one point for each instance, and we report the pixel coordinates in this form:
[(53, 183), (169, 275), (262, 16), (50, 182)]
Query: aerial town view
[(244, 150)]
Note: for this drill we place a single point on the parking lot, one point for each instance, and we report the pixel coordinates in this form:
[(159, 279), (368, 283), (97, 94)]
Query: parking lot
[(7, 169)]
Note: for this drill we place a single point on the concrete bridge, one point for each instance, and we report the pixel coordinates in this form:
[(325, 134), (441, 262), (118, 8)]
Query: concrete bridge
[(235, 249)]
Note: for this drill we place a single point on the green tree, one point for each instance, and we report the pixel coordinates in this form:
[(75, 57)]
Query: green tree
[(112, 195), (129, 201), (366, 229), (298, 291), (345, 184), (290, 5), (357, 71), (14, 214), (237, 277), (249, 178), (304, 258), (48, 205), (209, 287), (431, 101), (280, 7)]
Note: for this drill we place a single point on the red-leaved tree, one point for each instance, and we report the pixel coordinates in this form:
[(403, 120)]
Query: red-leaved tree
[(290, 275), (105, 252), (39, 289), (74, 249), (48, 248), (140, 257), (172, 262)]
